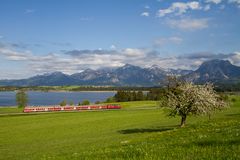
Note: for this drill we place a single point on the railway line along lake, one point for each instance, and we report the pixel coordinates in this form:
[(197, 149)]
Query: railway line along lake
[(53, 98)]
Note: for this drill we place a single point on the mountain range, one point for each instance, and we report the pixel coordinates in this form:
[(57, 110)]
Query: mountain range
[(215, 71), (129, 75)]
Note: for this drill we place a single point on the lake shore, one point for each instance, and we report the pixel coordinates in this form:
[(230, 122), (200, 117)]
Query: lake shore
[(72, 91), (59, 91), (55, 97)]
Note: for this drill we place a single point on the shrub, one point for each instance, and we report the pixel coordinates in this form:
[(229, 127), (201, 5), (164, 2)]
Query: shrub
[(71, 103), (63, 103), (85, 102), (97, 102), (110, 100), (233, 100)]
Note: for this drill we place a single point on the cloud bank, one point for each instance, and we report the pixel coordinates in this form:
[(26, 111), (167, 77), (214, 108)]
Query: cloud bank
[(188, 23), (178, 8), (74, 61)]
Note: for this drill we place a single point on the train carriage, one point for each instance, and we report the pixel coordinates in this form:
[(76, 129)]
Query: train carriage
[(69, 108)]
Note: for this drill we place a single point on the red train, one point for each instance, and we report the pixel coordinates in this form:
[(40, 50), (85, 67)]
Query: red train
[(69, 108)]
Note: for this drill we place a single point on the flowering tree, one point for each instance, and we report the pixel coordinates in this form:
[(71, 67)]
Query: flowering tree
[(189, 99)]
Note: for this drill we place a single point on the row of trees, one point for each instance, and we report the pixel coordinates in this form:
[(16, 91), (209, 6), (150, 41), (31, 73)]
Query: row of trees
[(124, 96), (71, 88)]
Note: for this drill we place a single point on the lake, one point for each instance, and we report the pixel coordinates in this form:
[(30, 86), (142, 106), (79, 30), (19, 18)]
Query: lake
[(54, 98)]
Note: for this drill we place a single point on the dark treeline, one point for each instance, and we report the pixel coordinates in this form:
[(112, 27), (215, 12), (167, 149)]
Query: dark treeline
[(113, 88), (227, 87), (72, 88), (124, 96), (25, 88)]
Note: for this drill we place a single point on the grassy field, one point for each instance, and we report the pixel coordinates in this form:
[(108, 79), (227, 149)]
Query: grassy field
[(10, 110), (138, 131)]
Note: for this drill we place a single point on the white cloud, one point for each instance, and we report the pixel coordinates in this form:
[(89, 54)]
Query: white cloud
[(74, 61), (86, 19), (194, 60), (207, 7), (13, 55), (222, 7), (235, 2), (133, 52), (147, 7), (145, 14), (28, 11), (188, 23), (113, 47), (169, 40), (235, 58), (175, 39), (213, 1), (77, 60), (179, 8)]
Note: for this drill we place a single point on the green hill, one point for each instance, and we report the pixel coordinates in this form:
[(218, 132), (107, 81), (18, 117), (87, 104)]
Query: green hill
[(138, 131)]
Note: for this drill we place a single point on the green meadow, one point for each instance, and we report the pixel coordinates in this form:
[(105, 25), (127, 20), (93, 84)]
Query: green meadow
[(140, 130)]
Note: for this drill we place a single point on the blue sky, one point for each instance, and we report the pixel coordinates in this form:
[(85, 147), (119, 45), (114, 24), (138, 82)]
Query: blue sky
[(71, 35)]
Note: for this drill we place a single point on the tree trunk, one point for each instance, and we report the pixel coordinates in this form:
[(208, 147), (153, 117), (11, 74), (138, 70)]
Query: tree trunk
[(183, 121), (209, 117)]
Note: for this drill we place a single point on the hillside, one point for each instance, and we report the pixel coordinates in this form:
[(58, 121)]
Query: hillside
[(138, 131)]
